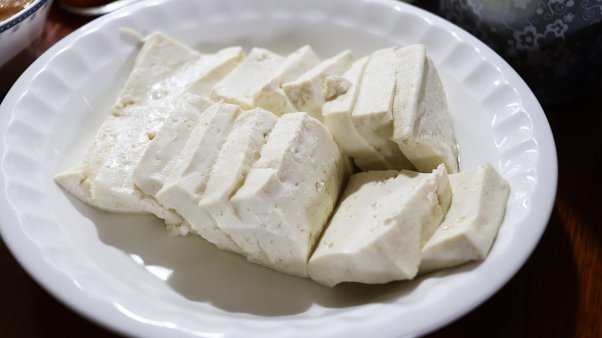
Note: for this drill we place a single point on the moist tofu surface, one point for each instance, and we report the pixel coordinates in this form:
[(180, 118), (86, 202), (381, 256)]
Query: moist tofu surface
[(238, 154), (372, 114), (337, 118), (163, 151), (307, 92), (472, 222), (271, 96), (158, 62), (422, 128), (248, 78), (290, 192), (376, 233), (212, 68), (184, 186)]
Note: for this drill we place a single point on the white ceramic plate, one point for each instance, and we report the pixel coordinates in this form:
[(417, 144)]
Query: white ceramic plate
[(126, 273)]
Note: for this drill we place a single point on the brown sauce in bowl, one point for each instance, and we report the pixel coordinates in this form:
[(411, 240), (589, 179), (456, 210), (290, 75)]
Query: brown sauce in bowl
[(9, 8)]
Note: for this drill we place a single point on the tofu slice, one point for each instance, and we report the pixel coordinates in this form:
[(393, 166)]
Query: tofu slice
[(377, 232), (422, 125), (372, 114), (152, 79), (472, 222), (211, 69), (248, 78), (185, 184), (78, 180), (337, 118), (162, 153), (112, 188), (290, 193), (239, 152), (308, 93), (256, 82)]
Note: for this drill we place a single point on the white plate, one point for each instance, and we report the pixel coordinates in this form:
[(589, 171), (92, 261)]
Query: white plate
[(126, 273)]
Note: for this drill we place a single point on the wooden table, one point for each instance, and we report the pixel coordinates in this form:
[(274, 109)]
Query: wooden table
[(557, 293)]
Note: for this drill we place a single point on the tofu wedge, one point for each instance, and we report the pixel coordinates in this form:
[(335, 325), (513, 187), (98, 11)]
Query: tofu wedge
[(271, 96), (162, 153), (422, 125), (377, 232), (112, 187), (337, 118), (184, 186), (372, 114), (152, 81), (472, 222), (308, 93), (211, 69), (239, 152), (256, 81), (290, 193)]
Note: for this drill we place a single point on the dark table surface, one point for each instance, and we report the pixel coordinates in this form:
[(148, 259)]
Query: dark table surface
[(557, 293)]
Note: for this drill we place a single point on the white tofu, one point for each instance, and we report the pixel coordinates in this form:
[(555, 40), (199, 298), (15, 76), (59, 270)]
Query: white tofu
[(162, 153), (290, 192), (422, 125), (212, 68), (372, 114), (239, 152), (472, 222), (376, 233), (185, 184), (337, 118), (308, 93), (271, 96), (248, 78), (112, 188), (78, 180), (152, 79)]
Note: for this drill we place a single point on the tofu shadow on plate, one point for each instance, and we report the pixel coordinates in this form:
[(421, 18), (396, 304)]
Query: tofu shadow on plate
[(200, 272)]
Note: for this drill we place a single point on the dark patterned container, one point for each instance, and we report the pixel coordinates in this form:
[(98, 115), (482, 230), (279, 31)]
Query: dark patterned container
[(555, 45)]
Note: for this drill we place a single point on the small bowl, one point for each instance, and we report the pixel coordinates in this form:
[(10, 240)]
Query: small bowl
[(20, 30)]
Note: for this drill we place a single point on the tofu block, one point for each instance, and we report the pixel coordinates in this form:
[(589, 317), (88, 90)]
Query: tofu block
[(184, 186), (239, 152), (472, 222), (290, 193), (248, 78), (337, 118), (372, 114), (422, 124), (308, 93), (162, 153), (211, 69), (151, 81), (271, 96), (377, 232)]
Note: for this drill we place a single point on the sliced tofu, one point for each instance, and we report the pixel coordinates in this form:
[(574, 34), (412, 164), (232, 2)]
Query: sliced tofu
[(211, 69), (271, 96), (184, 186), (337, 118), (308, 93), (290, 193), (78, 180), (112, 188), (372, 114), (376, 233), (472, 222), (152, 79), (162, 153), (422, 125), (248, 78), (239, 152)]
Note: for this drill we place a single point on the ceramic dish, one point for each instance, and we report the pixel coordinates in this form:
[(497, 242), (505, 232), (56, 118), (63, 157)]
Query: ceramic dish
[(126, 273)]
